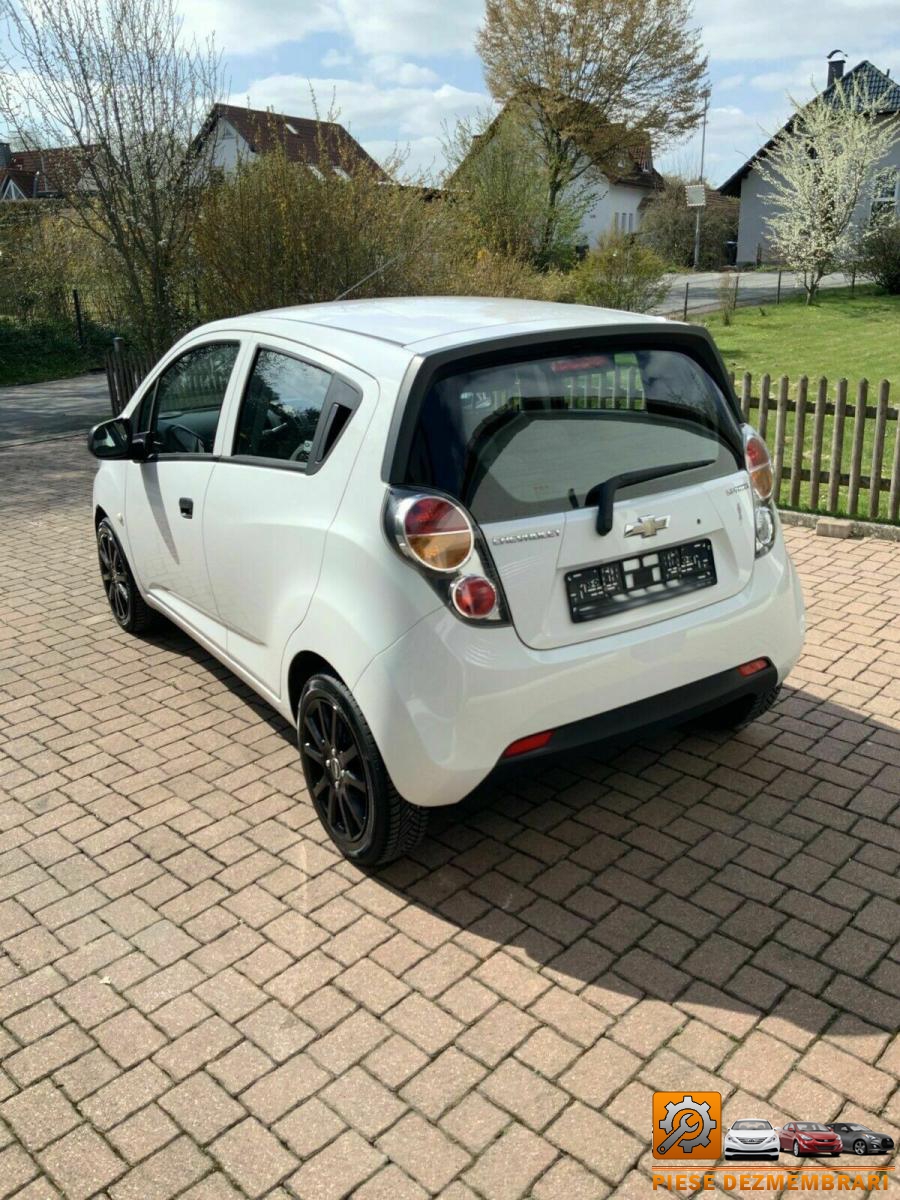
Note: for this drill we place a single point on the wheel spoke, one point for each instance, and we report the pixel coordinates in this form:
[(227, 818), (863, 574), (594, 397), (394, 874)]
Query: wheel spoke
[(352, 781), (334, 724), (311, 752), (320, 786), (332, 801), (348, 755), (314, 731)]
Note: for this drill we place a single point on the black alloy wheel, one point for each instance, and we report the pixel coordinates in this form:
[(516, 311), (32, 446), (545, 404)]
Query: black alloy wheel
[(128, 607), (348, 782)]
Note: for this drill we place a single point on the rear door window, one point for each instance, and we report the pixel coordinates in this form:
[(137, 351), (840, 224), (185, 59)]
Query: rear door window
[(281, 408), (533, 436)]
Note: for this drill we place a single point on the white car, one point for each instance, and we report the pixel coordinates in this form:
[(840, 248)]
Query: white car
[(441, 535), (751, 1137)]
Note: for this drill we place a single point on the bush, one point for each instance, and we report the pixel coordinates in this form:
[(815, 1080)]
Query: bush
[(879, 255), (620, 273), (667, 226)]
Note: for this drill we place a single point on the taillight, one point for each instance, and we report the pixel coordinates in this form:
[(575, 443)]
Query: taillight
[(759, 465), (762, 484), (435, 532), (438, 537), (534, 741), (474, 596)]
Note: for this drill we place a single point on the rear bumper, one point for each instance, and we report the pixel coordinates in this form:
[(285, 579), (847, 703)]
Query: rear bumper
[(446, 699), (657, 712)]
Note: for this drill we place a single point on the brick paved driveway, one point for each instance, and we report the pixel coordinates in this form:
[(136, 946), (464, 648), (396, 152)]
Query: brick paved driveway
[(199, 999)]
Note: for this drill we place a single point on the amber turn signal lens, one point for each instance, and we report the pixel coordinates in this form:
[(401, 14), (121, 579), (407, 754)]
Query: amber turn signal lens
[(437, 533)]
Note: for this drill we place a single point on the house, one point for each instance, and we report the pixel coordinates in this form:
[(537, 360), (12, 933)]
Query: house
[(40, 174), (620, 176), (232, 134), (747, 183)]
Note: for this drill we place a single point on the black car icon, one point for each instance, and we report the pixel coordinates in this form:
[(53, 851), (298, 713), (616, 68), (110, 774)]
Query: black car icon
[(860, 1139)]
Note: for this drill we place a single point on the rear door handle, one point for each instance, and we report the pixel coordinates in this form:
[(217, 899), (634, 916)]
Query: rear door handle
[(186, 507)]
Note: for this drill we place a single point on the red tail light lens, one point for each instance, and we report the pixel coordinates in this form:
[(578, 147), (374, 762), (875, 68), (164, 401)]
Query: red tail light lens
[(436, 533), (534, 741), (474, 596), (759, 465), (753, 667)]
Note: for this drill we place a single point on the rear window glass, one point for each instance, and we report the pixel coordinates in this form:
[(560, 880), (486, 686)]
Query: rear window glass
[(534, 436)]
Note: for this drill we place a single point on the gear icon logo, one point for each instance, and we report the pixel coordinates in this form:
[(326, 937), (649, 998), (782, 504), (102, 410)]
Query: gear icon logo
[(687, 1125)]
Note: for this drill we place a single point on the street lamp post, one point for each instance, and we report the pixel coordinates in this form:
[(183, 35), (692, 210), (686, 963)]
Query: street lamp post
[(706, 94)]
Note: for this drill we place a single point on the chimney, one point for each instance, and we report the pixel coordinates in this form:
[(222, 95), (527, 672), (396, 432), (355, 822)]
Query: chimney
[(835, 67), (5, 155)]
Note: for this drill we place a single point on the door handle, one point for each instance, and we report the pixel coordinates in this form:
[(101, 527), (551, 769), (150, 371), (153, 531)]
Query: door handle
[(186, 507)]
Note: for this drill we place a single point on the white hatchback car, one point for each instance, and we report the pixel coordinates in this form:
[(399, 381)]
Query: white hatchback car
[(443, 534)]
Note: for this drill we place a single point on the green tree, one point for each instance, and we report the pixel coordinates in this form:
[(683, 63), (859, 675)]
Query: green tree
[(594, 79)]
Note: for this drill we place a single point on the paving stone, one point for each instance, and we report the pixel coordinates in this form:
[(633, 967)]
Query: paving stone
[(252, 1157), (423, 1152), (506, 1170), (81, 1164)]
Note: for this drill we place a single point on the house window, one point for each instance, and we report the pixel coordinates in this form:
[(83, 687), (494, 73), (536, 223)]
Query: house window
[(884, 194)]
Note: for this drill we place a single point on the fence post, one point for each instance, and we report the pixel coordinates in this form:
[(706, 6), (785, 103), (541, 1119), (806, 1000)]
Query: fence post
[(815, 464), (778, 290), (687, 287), (737, 281), (837, 445), (780, 429), (884, 391), (856, 455), (79, 323), (894, 497), (746, 395), (799, 432), (764, 385)]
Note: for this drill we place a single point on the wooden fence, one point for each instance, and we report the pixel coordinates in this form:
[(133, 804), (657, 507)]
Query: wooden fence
[(828, 449), (124, 371)]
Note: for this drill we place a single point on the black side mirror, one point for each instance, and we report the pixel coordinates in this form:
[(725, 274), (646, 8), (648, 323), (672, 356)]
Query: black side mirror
[(111, 439), (142, 446)]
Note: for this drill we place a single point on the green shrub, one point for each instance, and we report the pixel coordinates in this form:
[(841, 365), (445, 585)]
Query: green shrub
[(620, 273), (879, 255)]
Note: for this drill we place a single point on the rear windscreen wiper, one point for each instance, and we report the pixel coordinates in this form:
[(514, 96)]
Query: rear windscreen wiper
[(604, 494)]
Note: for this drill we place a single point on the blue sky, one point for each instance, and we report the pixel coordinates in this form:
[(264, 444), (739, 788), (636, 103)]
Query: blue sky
[(398, 70)]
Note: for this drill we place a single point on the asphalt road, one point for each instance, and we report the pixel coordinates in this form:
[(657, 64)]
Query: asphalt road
[(755, 287), (36, 411)]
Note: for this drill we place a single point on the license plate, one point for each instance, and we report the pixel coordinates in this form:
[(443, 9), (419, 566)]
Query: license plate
[(642, 579)]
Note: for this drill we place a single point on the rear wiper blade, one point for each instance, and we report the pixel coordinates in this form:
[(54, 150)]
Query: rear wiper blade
[(604, 494)]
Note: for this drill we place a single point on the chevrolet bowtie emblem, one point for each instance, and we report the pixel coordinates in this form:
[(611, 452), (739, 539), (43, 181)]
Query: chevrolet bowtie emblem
[(647, 527)]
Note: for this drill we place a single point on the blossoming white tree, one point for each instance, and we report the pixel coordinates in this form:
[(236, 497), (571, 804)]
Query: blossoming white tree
[(819, 169)]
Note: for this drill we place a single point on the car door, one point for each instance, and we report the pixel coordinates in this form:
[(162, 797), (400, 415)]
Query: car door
[(786, 1137), (273, 495), (164, 495)]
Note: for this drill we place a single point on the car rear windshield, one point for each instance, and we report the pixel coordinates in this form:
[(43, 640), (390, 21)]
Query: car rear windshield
[(533, 436)]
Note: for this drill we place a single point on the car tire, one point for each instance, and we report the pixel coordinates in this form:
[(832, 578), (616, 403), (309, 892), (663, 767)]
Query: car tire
[(740, 713), (128, 607), (362, 812), (859, 1146), (796, 1149)]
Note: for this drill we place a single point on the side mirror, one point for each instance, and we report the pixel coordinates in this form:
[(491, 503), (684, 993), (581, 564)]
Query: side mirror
[(110, 439)]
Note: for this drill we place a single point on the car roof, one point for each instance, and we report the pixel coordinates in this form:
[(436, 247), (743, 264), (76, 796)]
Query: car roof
[(441, 322)]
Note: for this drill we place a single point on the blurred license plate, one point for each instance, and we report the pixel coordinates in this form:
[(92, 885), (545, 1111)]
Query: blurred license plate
[(641, 579)]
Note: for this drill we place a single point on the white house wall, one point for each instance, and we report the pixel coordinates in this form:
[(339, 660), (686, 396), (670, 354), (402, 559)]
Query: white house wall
[(612, 199), (228, 146)]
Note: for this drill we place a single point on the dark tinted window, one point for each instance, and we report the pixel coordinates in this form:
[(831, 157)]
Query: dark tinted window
[(810, 1127), (534, 436), (281, 408), (188, 399)]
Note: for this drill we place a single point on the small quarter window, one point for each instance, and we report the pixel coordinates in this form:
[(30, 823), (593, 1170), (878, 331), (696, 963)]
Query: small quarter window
[(281, 408)]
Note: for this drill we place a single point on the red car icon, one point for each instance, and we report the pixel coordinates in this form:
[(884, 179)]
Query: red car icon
[(809, 1137)]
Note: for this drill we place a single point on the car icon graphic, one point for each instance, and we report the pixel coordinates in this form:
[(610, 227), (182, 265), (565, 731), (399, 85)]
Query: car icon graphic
[(751, 1137), (809, 1137), (859, 1139)]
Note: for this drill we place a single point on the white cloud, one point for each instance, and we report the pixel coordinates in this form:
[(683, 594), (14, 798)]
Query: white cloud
[(336, 58), (416, 28), (774, 29), (407, 74)]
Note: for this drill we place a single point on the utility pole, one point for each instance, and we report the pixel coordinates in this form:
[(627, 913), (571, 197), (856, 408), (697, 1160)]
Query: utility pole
[(706, 95)]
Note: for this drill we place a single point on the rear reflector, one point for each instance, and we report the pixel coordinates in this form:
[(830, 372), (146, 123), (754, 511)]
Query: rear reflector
[(534, 741), (751, 668)]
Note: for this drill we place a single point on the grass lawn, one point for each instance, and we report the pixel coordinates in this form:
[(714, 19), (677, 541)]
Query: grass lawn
[(857, 337), (854, 337)]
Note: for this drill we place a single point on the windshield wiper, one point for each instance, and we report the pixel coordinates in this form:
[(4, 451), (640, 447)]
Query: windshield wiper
[(604, 494)]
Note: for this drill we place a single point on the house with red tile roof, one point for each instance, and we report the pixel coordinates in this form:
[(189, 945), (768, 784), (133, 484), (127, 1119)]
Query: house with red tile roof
[(40, 174)]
